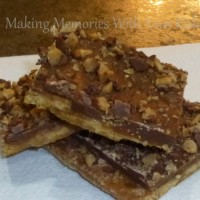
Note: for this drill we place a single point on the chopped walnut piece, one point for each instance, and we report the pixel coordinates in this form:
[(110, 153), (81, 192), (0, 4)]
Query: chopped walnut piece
[(76, 67), (171, 168), (155, 63), (156, 176), (12, 100), (2, 85), (104, 72), (82, 33), (5, 120), (195, 129), (96, 36), (150, 160), (104, 52), (107, 88), (54, 56), (184, 77), (72, 41), (90, 159), (72, 86), (166, 82), (152, 98), (101, 161), (90, 65), (82, 53), (17, 111), (190, 146), (8, 93), (196, 120), (129, 71), (103, 104), (159, 66), (118, 51), (178, 176), (149, 114)]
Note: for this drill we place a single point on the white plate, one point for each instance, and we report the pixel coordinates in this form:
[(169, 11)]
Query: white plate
[(34, 175)]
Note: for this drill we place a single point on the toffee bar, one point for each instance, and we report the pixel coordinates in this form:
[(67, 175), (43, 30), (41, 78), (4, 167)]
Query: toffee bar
[(111, 89), (23, 126)]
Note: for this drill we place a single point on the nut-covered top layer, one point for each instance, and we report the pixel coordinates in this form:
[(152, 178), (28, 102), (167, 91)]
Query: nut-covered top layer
[(16, 118), (150, 167), (115, 84)]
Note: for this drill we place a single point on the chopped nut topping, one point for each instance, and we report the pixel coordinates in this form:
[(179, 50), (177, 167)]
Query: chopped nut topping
[(196, 120), (8, 93), (155, 63), (82, 33), (178, 176), (130, 84), (118, 51), (104, 72), (195, 129), (152, 98), (159, 65), (90, 159), (107, 88), (72, 86), (82, 53), (5, 120), (190, 146), (72, 41), (101, 161), (156, 176), (103, 104), (184, 77), (2, 85), (97, 57), (166, 82), (54, 56), (142, 104), (76, 67), (104, 52), (96, 36), (171, 168), (150, 160), (151, 63), (129, 71), (149, 114), (90, 65)]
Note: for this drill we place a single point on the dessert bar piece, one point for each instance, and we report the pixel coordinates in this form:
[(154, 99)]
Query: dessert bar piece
[(131, 171), (110, 89), (23, 126)]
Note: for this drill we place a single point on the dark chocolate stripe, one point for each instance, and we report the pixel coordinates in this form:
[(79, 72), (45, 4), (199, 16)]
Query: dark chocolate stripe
[(136, 175)]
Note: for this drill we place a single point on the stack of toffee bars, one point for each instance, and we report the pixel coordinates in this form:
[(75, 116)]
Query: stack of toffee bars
[(108, 111)]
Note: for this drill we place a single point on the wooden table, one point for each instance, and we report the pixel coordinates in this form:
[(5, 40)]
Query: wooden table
[(141, 23)]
